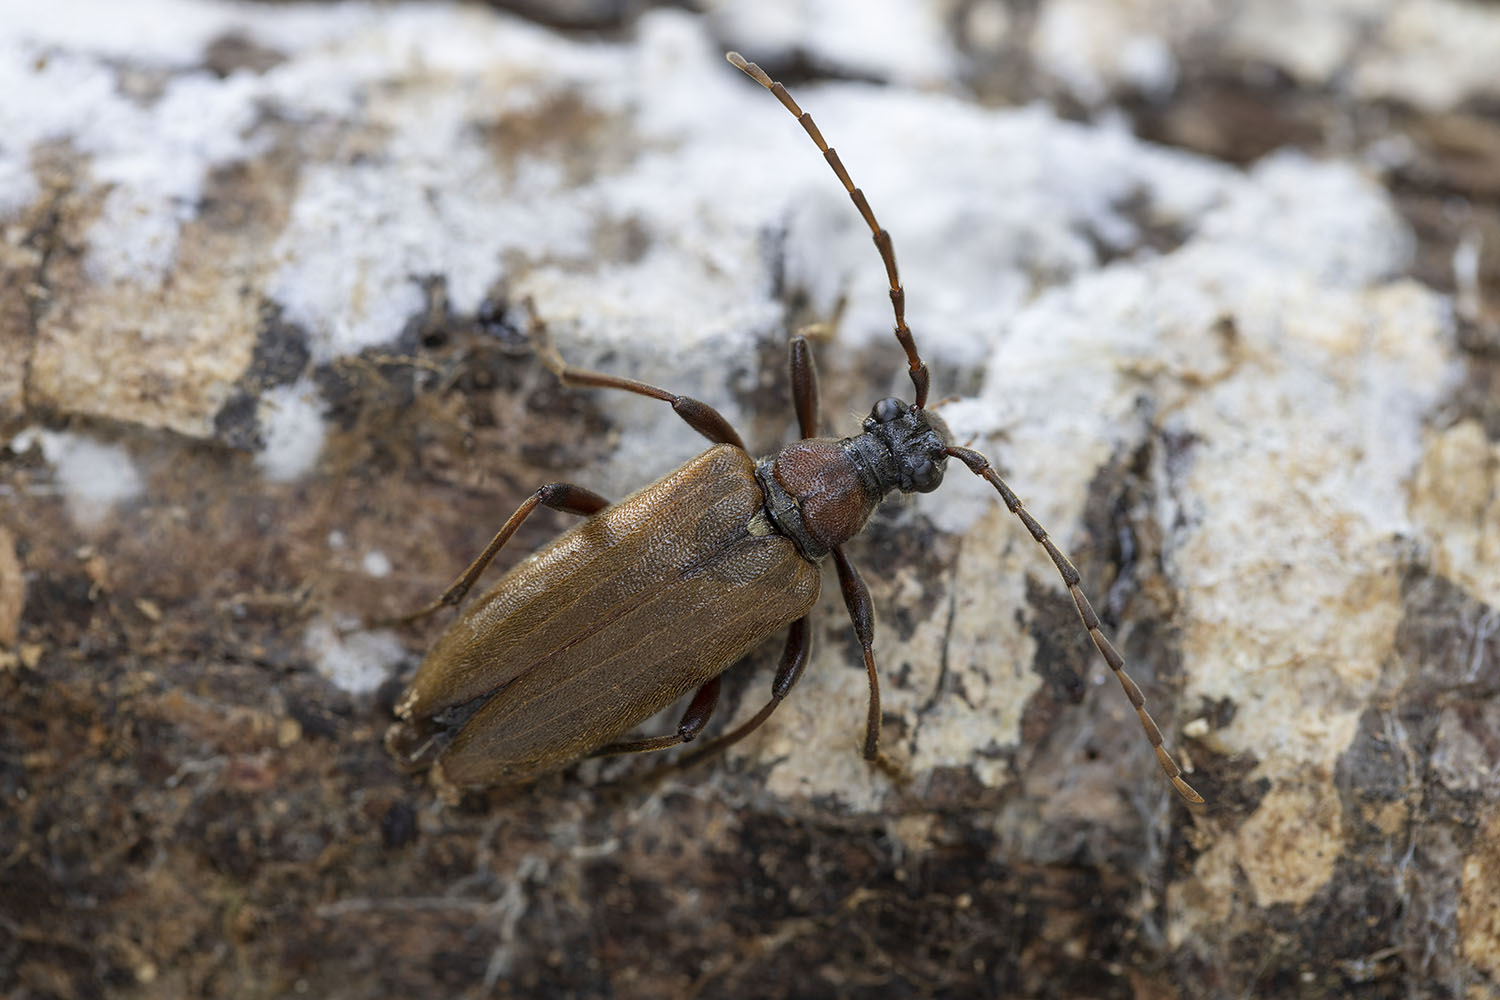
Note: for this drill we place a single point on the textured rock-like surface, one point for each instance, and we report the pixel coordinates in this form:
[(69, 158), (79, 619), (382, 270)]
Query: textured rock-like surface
[(266, 368)]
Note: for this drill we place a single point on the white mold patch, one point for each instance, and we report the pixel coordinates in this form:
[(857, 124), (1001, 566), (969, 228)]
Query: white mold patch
[(92, 476), (357, 662), (291, 417)]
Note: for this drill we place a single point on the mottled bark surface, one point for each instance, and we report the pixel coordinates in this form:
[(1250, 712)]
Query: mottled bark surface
[(1224, 308)]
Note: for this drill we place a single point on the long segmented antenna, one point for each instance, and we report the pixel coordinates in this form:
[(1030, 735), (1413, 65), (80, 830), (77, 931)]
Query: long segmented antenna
[(980, 466), (917, 368)]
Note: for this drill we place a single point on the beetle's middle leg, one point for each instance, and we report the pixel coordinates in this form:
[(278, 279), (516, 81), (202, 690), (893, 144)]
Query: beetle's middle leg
[(793, 659), (565, 497), (862, 615)]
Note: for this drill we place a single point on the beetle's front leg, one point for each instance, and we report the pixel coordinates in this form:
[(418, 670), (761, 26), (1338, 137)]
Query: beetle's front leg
[(694, 412), (699, 711), (805, 387), (862, 616)]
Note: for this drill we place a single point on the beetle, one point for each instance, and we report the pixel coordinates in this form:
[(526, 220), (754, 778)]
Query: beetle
[(657, 595)]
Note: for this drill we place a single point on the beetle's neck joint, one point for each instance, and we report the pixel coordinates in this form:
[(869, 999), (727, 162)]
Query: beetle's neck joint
[(873, 463)]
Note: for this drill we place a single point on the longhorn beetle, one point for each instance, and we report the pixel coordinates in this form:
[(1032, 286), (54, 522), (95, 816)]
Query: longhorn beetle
[(659, 594)]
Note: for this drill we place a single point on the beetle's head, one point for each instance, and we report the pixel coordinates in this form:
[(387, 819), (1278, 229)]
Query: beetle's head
[(917, 440)]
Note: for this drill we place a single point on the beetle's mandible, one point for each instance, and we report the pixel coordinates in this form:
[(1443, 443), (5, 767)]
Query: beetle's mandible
[(657, 595)]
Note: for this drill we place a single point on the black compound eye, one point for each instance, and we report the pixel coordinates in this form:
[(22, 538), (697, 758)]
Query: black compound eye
[(927, 473), (922, 475), (887, 409)]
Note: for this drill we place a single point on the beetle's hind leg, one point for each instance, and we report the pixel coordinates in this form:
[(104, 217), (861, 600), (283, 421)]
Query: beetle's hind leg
[(793, 660), (565, 497), (699, 711)]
